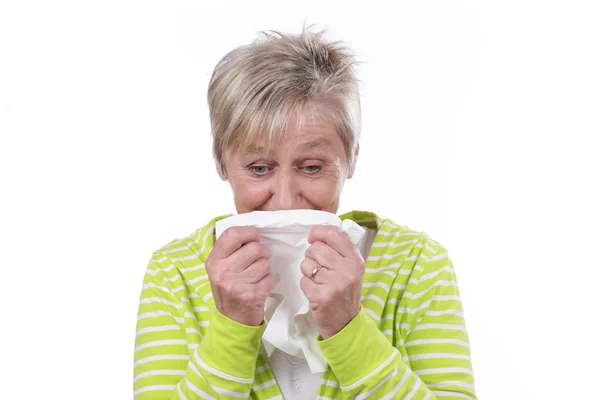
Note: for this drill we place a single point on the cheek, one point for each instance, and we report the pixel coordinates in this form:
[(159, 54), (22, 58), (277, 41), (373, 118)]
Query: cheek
[(250, 195), (322, 191)]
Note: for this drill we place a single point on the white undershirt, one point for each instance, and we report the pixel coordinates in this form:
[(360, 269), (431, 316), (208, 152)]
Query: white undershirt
[(292, 373)]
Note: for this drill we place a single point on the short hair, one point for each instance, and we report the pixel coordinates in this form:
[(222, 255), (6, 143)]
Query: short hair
[(255, 89)]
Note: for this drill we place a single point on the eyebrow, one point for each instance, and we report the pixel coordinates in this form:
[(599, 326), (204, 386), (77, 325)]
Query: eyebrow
[(318, 144)]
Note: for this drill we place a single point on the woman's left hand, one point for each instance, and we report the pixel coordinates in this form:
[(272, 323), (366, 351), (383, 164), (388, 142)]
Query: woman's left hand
[(335, 293)]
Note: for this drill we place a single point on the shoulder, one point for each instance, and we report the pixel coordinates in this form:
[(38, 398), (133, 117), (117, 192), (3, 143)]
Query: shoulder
[(399, 245), (186, 254)]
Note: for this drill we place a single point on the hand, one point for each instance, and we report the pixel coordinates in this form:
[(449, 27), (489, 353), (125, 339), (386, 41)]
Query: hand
[(335, 293), (240, 275)]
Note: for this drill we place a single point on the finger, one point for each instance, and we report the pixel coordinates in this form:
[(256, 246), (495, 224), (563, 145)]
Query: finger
[(314, 271), (232, 239), (256, 271), (324, 255), (334, 237), (248, 254)]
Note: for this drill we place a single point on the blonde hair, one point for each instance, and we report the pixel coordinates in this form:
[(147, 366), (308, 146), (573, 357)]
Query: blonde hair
[(256, 89)]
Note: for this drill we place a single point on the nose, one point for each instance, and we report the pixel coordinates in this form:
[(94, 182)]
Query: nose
[(285, 192)]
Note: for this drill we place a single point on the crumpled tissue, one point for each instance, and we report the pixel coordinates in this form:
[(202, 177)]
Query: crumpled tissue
[(290, 326)]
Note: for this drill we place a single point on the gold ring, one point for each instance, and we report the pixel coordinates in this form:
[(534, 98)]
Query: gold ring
[(314, 272)]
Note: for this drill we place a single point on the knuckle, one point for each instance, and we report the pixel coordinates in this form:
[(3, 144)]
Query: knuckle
[(254, 249)]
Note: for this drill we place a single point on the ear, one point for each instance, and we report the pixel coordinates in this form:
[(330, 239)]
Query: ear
[(220, 169), (352, 167)]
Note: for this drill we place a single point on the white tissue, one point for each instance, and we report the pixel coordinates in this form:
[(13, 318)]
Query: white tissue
[(290, 326)]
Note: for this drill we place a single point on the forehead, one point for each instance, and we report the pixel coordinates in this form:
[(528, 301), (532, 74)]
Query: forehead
[(308, 136)]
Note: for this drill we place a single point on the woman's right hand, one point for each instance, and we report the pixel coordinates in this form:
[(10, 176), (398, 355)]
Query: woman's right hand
[(240, 275)]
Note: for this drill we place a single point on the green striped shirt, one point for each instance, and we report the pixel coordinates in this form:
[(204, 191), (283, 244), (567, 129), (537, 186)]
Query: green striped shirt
[(409, 340)]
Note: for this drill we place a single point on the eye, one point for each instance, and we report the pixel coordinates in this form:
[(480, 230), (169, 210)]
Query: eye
[(259, 169), (312, 169)]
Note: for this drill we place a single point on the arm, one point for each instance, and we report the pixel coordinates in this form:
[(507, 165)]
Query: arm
[(223, 364), (438, 364)]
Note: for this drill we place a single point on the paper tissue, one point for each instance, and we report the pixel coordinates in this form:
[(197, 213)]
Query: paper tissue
[(290, 327)]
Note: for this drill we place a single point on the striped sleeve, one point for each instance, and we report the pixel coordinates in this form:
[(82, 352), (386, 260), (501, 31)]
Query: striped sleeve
[(166, 366), (437, 365)]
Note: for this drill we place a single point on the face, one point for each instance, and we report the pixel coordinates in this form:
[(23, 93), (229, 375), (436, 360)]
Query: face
[(304, 169)]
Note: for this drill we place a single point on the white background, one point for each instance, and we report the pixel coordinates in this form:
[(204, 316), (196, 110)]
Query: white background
[(481, 124)]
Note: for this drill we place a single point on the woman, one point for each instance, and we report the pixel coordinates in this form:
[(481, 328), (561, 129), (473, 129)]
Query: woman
[(285, 118)]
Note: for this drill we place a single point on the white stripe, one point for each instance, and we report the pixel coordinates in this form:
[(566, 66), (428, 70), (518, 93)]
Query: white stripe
[(199, 392), (376, 284), (156, 343), (159, 372), (200, 309), (179, 289), (399, 286), (371, 313), (161, 358), (390, 224), (436, 257), (148, 300), (171, 279), (195, 280), (433, 313), (428, 356), (401, 234), (192, 268), (437, 341), (374, 298), (421, 307), (452, 394), (193, 330), (158, 261), (394, 245), (156, 271), (455, 383), (263, 385), (181, 393), (207, 296), (384, 380), (436, 273), (221, 374), (427, 396), (413, 390), (391, 394), (175, 249), (393, 274), (433, 371), (327, 382), (207, 234), (436, 284), (153, 387), (231, 393), (157, 329), (451, 327), (391, 266), (152, 285), (387, 256), (374, 372), (446, 298), (154, 314), (388, 332)]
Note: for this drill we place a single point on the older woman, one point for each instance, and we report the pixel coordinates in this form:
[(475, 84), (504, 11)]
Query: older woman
[(285, 118)]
